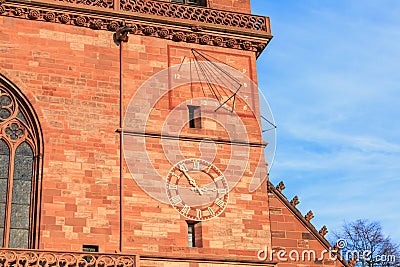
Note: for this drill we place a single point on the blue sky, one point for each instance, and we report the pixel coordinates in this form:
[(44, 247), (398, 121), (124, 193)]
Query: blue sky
[(332, 78)]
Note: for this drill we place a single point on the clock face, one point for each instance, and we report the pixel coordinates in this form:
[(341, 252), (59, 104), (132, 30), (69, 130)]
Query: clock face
[(197, 189), (195, 130)]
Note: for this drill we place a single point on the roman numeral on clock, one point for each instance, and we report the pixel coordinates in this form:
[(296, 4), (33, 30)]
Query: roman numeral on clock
[(211, 211), (219, 178), (176, 200), (219, 202), (198, 213), (185, 210), (183, 167), (172, 187), (222, 191), (209, 168), (176, 175), (196, 165)]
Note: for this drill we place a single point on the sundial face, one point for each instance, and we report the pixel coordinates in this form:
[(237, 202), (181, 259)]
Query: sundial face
[(204, 163)]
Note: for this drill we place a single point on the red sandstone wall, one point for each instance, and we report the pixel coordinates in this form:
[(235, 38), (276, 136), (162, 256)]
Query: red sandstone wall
[(71, 77), (290, 234), (242, 6), (154, 227)]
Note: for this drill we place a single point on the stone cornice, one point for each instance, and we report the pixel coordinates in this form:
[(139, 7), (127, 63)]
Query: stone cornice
[(194, 25)]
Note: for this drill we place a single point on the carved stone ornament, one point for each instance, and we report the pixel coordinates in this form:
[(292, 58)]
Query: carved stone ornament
[(246, 45), (205, 39), (323, 231), (64, 18), (179, 37), (97, 24), (18, 11), (7, 106), (179, 11), (149, 30), (49, 16), (121, 35), (59, 259), (163, 33), (280, 187), (245, 24), (218, 41), (113, 26), (133, 28), (80, 21), (231, 43), (295, 201), (191, 38), (309, 216), (14, 131), (33, 14)]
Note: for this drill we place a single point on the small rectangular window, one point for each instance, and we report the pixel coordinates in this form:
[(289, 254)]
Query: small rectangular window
[(191, 235), (90, 248), (194, 116), (191, 2)]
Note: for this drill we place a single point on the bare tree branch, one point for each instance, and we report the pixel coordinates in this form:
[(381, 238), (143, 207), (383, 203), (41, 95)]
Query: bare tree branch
[(367, 243)]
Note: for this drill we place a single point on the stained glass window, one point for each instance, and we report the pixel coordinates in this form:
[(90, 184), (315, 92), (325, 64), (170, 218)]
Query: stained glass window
[(21, 196), (5, 161), (18, 137)]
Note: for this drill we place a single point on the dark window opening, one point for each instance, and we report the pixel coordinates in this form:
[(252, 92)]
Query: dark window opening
[(90, 248), (191, 2), (194, 116), (191, 235), (195, 234)]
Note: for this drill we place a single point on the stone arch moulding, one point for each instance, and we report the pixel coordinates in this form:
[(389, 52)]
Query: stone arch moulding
[(20, 113)]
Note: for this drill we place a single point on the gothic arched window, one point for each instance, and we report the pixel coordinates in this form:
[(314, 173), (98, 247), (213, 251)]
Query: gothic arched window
[(20, 147)]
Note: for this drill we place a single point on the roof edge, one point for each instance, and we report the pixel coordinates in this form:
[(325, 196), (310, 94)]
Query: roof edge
[(305, 220)]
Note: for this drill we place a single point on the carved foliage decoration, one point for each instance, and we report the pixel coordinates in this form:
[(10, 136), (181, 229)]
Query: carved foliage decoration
[(192, 34), (199, 14), (281, 186), (295, 201), (22, 258), (178, 11), (309, 216), (2, 8), (60, 17), (96, 3), (323, 231)]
